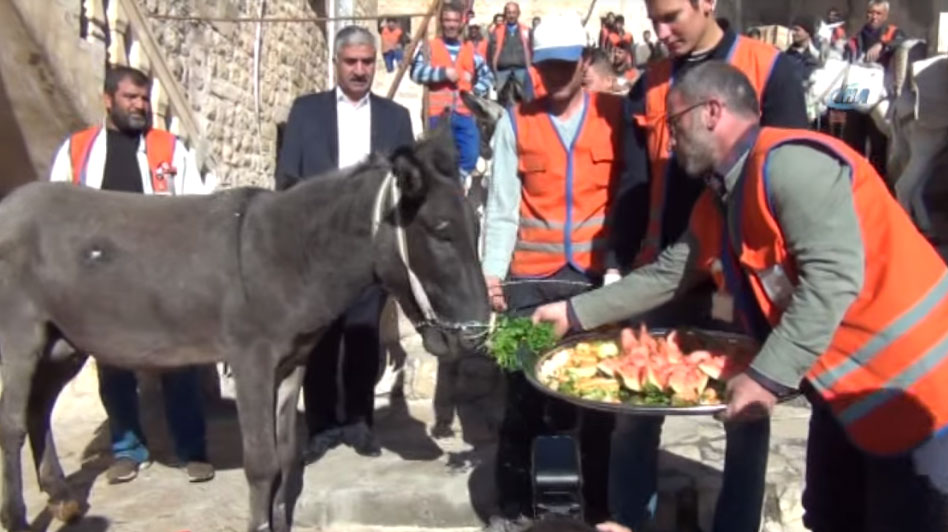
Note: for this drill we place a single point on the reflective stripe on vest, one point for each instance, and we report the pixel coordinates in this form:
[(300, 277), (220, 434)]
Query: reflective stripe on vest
[(885, 372), (753, 58), (159, 149), (445, 95), (565, 187)]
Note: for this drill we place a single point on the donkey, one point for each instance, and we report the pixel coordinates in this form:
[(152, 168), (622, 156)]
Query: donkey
[(247, 275)]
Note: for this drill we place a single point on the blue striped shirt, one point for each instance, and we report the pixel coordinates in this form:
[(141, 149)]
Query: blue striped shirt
[(423, 73)]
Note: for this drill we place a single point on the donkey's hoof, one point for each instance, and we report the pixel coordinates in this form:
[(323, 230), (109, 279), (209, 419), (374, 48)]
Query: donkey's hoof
[(66, 511)]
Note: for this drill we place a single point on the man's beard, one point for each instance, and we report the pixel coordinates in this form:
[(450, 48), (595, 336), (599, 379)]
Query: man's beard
[(129, 122), (695, 156)]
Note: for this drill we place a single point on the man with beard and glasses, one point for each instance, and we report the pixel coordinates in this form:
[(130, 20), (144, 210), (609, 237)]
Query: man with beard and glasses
[(325, 132), (827, 272), (127, 155), (653, 210)]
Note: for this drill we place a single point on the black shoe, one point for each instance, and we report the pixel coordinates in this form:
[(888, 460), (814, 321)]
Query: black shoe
[(442, 430), (361, 438), (321, 443)]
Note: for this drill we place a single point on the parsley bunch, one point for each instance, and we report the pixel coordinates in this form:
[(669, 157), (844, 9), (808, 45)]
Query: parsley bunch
[(513, 334)]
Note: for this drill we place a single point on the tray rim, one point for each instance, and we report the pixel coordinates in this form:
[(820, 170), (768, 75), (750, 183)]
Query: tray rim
[(623, 408)]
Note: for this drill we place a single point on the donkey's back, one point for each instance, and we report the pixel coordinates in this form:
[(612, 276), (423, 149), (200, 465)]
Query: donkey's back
[(121, 275)]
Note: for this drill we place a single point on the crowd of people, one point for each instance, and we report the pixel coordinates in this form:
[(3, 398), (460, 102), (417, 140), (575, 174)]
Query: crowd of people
[(647, 181)]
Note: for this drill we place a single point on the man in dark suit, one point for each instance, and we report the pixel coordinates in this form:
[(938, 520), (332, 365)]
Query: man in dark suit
[(327, 131)]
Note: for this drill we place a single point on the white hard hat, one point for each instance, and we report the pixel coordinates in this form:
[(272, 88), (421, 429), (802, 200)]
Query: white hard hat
[(560, 38)]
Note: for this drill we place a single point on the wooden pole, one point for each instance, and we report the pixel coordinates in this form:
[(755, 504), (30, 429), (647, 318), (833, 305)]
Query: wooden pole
[(420, 32), (589, 14)]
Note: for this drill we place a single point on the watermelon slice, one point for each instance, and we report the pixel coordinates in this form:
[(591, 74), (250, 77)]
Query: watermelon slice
[(609, 366), (627, 340), (632, 377), (712, 367), (722, 368)]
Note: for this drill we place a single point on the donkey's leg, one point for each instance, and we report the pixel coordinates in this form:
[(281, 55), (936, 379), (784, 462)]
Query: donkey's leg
[(21, 345), (56, 374), (256, 392), (291, 461)]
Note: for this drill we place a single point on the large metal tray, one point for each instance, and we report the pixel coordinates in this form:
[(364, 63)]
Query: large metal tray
[(689, 339)]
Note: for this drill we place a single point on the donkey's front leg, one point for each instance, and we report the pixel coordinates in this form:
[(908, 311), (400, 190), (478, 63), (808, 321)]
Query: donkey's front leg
[(21, 343), (256, 392), (62, 504), (291, 461)]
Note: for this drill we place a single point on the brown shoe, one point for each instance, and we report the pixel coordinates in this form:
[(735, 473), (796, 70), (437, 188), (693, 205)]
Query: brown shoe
[(122, 470), (199, 471)]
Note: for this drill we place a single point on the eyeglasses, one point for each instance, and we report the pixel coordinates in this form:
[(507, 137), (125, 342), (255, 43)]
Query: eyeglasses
[(673, 120)]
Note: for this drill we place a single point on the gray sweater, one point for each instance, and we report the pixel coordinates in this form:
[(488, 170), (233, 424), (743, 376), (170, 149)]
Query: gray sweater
[(812, 200)]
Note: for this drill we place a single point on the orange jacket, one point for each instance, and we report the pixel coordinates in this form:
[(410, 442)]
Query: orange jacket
[(159, 148), (566, 189), (885, 373), (390, 38), (480, 47), (539, 89), (855, 43), (500, 33), (754, 58), (615, 38), (445, 95)]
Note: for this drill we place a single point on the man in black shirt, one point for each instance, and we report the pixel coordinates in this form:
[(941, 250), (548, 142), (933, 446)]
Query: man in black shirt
[(653, 209), (128, 155)]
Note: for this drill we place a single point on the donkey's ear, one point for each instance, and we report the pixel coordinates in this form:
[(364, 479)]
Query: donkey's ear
[(475, 104), (409, 174)]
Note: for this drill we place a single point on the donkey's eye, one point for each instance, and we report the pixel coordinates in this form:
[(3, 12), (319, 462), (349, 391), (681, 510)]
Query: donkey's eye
[(441, 229)]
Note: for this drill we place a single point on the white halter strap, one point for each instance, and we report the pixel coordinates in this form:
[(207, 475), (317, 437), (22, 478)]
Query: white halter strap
[(390, 186)]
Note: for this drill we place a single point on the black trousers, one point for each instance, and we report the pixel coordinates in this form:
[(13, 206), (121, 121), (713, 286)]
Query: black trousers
[(530, 413), (862, 135), (350, 345), (850, 489)]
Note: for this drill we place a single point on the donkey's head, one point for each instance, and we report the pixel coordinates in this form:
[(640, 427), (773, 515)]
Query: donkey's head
[(486, 113), (425, 249)]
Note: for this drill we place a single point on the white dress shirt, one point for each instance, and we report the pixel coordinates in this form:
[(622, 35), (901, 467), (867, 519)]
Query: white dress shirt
[(354, 123)]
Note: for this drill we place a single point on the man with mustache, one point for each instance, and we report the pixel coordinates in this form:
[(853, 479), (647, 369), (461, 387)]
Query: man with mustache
[(827, 272), (653, 211), (327, 131), (129, 155)]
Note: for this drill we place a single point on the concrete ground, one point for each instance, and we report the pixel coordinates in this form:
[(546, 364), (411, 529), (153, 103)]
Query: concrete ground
[(418, 483)]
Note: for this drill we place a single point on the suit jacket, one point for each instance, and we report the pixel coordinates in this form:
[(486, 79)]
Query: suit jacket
[(311, 138)]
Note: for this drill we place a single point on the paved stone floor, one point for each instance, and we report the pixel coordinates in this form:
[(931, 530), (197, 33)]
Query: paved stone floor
[(417, 484)]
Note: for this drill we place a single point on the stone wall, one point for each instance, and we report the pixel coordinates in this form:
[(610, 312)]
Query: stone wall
[(214, 64)]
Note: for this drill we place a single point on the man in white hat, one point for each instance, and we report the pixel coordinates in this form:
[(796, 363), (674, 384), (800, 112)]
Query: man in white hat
[(555, 172)]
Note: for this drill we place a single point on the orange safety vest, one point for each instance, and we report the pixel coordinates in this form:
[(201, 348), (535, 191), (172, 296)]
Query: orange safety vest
[(615, 38), (390, 38), (481, 48), (887, 36), (565, 189), (444, 95), (539, 89), (754, 58), (885, 373), (500, 33), (159, 148)]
